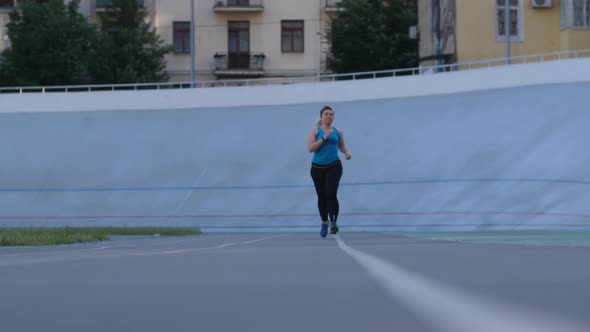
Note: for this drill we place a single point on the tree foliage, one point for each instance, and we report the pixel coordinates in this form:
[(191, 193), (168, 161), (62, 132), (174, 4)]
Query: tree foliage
[(369, 35), (50, 44), (136, 53)]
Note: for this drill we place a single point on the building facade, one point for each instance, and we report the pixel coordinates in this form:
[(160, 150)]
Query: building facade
[(6, 6), (436, 32), (233, 38), (468, 30)]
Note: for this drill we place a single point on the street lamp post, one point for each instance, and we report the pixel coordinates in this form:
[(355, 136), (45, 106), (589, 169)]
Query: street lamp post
[(192, 43), (507, 29)]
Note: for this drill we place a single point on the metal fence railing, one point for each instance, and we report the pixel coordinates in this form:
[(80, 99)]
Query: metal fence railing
[(306, 79), (243, 61), (237, 3)]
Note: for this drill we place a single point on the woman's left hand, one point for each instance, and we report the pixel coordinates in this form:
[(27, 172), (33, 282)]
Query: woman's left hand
[(347, 156)]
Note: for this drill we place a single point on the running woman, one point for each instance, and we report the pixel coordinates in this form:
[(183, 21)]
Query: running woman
[(324, 141)]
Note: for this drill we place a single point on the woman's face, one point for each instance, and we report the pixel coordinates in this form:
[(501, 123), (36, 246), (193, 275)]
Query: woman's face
[(327, 117)]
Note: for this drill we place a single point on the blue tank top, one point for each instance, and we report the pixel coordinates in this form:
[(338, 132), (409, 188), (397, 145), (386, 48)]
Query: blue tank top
[(328, 151)]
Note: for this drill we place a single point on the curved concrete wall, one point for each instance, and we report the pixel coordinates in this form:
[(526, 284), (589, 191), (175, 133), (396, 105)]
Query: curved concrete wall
[(503, 158)]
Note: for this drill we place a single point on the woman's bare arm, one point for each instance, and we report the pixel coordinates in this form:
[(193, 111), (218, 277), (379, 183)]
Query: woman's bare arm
[(342, 146), (312, 144)]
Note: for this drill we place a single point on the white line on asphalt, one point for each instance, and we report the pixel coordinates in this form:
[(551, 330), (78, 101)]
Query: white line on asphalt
[(453, 310), (54, 259), (110, 247), (73, 251), (258, 240), (203, 248), (165, 242)]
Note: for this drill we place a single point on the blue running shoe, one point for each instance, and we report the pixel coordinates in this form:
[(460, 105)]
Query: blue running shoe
[(333, 228), (324, 230)]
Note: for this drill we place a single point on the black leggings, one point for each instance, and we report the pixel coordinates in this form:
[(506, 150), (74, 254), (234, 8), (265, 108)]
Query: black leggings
[(326, 179)]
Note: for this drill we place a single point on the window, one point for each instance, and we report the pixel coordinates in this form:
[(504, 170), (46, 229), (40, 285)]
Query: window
[(515, 13), (575, 14), (182, 37), (238, 44), (292, 36)]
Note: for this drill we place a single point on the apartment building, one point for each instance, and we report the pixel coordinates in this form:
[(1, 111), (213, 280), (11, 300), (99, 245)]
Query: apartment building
[(466, 30), (246, 38), (233, 38)]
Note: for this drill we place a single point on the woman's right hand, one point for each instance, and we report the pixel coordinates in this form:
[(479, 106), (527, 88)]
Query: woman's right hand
[(328, 133)]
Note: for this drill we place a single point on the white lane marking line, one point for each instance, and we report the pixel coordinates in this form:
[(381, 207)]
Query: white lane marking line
[(258, 240), (198, 238), (55, 259), (453, 310), (176, 241), (203, 248), (67, 251), (194, 249), (109, 247)]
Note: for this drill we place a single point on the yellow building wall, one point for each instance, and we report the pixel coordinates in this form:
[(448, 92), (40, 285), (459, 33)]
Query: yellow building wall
[(476, 36), (3, 30), (575, 39)]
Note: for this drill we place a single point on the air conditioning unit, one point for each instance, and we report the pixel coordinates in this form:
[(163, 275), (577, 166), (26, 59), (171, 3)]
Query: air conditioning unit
[(541, 3)]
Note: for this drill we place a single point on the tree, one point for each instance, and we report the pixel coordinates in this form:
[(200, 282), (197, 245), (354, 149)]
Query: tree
[(369, 35), (136, 52), (50, 44)]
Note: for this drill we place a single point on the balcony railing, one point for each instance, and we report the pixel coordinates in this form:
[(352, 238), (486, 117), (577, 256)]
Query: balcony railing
[(333, 5), (237, 6), (101, 4), (239, 64)]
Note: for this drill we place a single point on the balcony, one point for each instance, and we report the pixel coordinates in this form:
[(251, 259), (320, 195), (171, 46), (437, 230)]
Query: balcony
[(238, 6), (239, 64), (101, 5), (333, 5)]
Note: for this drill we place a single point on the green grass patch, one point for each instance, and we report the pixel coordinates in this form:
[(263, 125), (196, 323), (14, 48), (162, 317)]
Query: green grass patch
[(66, 235)]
